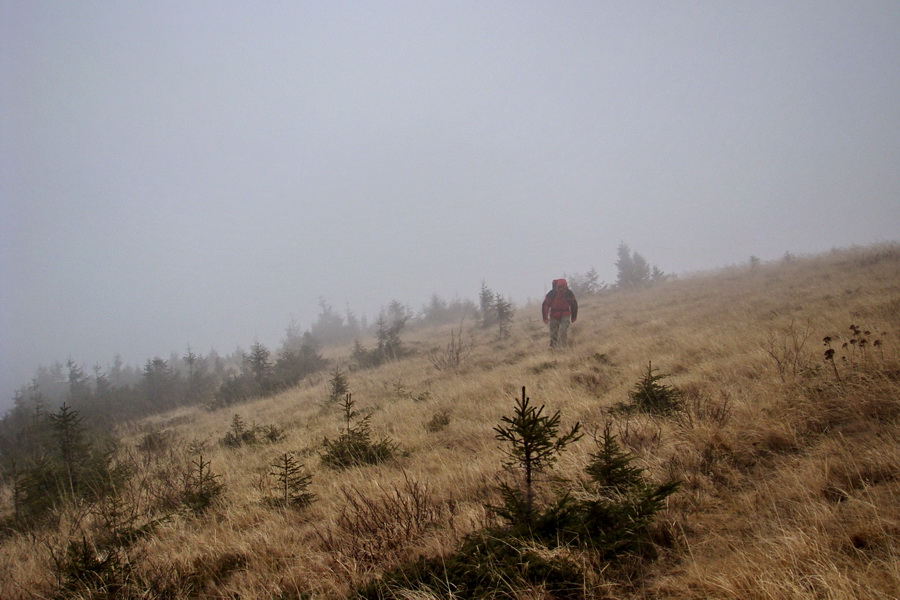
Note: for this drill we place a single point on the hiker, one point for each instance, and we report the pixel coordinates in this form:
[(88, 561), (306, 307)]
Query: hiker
[(559, 309)]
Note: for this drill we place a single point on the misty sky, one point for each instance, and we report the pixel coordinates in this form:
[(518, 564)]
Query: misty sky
[(177, 173)]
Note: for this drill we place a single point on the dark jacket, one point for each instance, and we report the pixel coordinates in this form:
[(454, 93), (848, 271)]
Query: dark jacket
[(559, 302)]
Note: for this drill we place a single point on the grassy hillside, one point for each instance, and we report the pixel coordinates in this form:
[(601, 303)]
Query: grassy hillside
[(789, 463)]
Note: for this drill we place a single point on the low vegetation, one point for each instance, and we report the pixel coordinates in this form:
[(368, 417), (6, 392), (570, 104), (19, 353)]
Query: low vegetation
[(354, 445), (653, 397), (724, 435)]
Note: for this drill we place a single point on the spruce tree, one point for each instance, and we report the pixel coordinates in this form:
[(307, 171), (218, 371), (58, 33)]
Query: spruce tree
[(291, 482), (361, 355), (387, 335), (68, 433), (160, 384), (238, 434), (260, 365), (610, 467), (201, 485), (486, 305), (194, 386), (354, 446), (651, 396), (634, 270), (503, 312), (297, 360), (534, 444), (624, 266), (79, 390), (640, 269), (338, 385), (619, 503)]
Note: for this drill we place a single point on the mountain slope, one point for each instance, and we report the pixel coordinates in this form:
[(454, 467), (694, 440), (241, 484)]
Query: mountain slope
[(788, 461)]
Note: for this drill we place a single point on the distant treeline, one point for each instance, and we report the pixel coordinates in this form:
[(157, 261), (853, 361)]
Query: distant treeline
[(121, 391)]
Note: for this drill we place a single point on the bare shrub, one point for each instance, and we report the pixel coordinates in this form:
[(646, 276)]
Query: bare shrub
[(439, 422), (381, 528), (639, 434), (156, 441), (597, 382), (787, 348), (879, 253), (546, 365), (241, 435), (201, 487), (451, 357), (84, 568), (700, 409)]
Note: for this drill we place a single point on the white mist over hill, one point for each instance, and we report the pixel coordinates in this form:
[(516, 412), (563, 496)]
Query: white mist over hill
[(202, 173)]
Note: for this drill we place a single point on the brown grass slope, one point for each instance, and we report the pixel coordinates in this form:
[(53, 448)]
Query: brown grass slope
[(790, 464)]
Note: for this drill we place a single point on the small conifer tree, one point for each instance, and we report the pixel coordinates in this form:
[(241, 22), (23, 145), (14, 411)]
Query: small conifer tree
[(389, 346), (349, 410), (610, 466), (633, 270), (651, 396), (486, 306), (361, 355), (239, 434), (74, 450), (39, 489), (260, 365), (503, 313), (355, 446), (338, 385), (619, 503), (291, 482), (534, 444), (586, 284), (201, 486)]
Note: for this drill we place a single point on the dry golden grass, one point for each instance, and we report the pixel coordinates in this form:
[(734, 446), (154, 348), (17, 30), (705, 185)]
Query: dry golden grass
[(791, 475)]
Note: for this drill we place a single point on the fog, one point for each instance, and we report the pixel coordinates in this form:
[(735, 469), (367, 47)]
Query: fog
[(201, 173)]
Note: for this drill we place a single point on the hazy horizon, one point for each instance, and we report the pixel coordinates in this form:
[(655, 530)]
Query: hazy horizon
[(203, 173)]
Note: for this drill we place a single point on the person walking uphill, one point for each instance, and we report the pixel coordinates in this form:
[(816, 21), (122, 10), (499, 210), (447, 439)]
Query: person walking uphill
[(559, 310)]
